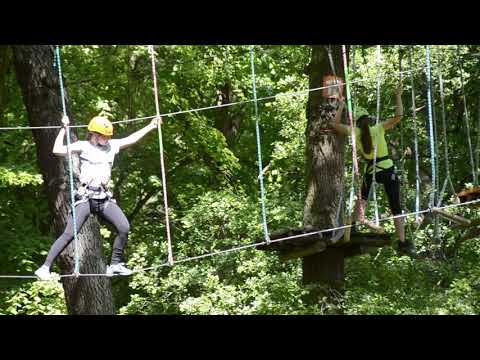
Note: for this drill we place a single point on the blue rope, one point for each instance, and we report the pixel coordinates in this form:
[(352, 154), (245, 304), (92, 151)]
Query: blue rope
[(70, 163), (417, 166), (259, 151), (430, 122)]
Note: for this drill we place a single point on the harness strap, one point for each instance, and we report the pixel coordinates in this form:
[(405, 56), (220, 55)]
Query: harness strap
[(370, 162), (86, 192)]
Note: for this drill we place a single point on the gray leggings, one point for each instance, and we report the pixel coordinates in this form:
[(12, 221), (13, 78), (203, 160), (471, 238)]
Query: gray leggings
[(109, 211)]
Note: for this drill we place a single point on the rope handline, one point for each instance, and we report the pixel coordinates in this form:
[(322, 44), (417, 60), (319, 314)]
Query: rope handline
[(171, 114), (70, 163), (259, 149), (162, 162), (429, 210)]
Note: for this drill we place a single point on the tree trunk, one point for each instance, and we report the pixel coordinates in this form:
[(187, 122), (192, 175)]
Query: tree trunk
[(324, 171), (227, 121), (5, 63), (39, 83)]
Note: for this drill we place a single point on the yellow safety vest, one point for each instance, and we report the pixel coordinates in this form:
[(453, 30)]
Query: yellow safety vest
[(377, 133)]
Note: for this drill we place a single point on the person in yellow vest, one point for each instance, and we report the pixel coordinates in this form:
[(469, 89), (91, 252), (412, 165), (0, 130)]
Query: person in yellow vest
[(367, 137)]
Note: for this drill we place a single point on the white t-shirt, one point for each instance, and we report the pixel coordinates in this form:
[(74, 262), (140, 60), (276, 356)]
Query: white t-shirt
[(96, 161)]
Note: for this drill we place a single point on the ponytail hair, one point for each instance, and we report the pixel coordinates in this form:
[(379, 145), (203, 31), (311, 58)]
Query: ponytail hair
[(365, 136)]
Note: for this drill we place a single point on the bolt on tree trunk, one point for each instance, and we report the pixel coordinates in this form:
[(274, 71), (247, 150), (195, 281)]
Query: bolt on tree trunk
[(325, 178), (39, 84)]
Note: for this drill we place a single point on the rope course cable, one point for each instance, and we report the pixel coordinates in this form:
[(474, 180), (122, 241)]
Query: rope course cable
[(70, 162), (194, 110), (151, 50), (267, 241), (259, 149), (242, 247)]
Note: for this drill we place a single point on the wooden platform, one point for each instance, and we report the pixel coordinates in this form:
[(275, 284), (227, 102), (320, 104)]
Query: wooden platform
[(469, 195), (360, 243)]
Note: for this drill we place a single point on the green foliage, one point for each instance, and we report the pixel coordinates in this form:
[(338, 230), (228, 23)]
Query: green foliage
[(37, 298), (213, 186)]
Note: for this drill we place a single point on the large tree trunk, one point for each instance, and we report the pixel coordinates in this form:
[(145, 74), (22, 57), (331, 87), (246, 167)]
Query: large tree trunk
[(228, 121), (5, 62), (325, 172), (39, 83)]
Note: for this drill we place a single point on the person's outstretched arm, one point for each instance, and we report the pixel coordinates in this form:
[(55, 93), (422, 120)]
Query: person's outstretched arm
[(58, 148), (137, 135), (390, 123), (336, 124)]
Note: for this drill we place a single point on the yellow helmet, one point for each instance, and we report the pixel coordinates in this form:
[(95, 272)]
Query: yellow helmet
[(101, 125)]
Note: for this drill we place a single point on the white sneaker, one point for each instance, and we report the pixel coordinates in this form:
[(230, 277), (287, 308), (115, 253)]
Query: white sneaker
[(118, 269), (43, 273)]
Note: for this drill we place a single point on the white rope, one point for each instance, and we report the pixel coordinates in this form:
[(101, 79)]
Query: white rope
[(162, 161), (242, 247), (189, 111)]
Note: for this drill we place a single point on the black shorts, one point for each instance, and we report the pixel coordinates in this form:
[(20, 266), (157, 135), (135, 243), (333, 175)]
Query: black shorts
[(389, 179)]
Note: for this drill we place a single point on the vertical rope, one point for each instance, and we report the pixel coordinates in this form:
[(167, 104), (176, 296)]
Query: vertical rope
[(430, 123), (444, 133), (437, 167), (374, 180), (259, 150), (467, 121), (401, 81), (350, 117), (477, 146), (402, 163), (340, 201), (162, 163), (352, 188), (70, 163), (414, 114)]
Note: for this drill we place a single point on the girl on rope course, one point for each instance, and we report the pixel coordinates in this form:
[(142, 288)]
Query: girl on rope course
[(367, 138), (93, 197)]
